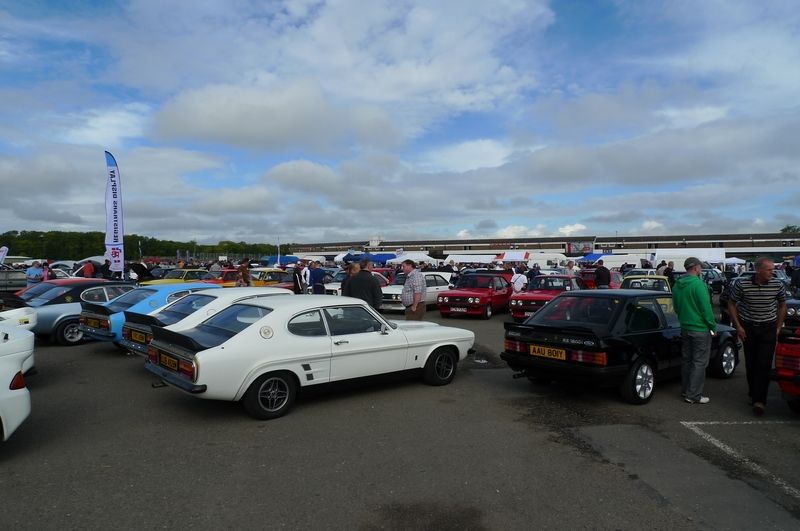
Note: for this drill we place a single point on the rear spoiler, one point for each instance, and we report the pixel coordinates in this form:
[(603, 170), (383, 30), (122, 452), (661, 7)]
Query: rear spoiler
[(142, 319), (95, 308), (10, 300), (176, 338)]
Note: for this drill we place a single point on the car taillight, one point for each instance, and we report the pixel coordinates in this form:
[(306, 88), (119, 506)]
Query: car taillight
[(152, 355), (104, 324), (513, 346), (148, 338), (186, 368), (17, 382), (82, 320), (126, 333), (784, 360), (595, 358)]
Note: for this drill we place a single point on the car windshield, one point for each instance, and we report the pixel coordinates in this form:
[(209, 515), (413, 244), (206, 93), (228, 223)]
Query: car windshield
[(211, 275), (175, 273), (36, 291), (182, 307), (47, 296), (554, 283), (233, 319), (123, 302), (566, 310), (400, 279), (474, 281), (657, 284)]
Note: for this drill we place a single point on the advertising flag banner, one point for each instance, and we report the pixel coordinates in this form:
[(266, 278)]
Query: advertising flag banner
[(3, 253), (114, 245)]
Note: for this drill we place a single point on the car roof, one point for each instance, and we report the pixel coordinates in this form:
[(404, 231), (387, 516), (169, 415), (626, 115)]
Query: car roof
[(645, 277), (237, 293), (554, 276), (611, 293), (294, 303), (180, 286), (75, 280)]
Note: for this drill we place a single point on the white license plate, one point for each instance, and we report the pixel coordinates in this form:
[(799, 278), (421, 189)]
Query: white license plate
[(458, 309), (528, 314)]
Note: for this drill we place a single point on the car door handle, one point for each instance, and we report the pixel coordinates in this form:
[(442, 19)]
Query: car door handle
[(341, 342)]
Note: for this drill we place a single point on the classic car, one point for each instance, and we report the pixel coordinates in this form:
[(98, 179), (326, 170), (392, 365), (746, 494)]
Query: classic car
[(185, 312), (714, 279), (270, 276), (24, 317), (476, 294), (57, 305), (639, 271), (334, 287), (630, 338), (541, 290), (177, 276), (435, 283), (587, 275), (12, 279), (651, 282), (259, 352), (787, 365), (103, 322), (16, 347), (226, 277)]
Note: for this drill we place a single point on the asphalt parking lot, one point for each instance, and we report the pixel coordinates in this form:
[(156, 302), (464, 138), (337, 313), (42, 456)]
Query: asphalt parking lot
[(106, 447)]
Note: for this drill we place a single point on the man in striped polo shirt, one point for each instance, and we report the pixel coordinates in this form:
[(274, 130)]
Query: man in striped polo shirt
[(757, 307)]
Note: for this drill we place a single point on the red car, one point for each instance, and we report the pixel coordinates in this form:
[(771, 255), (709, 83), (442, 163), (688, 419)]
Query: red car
[(587, 275), (541, 290), (787, 365), (476, 294)]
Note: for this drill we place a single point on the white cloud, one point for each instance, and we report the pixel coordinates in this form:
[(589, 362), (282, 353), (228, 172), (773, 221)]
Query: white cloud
[(652, 225), (465, 156), (568, 230), (107, 127)]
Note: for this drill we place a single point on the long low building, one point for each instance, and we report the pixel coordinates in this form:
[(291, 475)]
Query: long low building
[(777, 245)]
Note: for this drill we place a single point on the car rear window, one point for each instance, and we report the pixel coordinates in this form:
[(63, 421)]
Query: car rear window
[(123, 302), (233, 319), (567, 310), (182, 307)]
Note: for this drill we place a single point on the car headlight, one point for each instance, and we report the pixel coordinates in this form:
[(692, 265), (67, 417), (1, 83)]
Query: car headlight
[(791, 312), (447, 299), (396, 297), (440, 299)]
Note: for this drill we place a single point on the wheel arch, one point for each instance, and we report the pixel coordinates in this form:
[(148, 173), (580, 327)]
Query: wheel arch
[(256, 373)]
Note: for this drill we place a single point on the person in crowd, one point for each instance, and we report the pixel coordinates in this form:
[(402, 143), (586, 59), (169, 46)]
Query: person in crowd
[(316, 278), (34, 274), (661, 267), (698, 327), (215, 266), (351, 269), (796, 281), (306, 272), (298, 285), (413, 294), (518, 281), (243, 277), (757, 307), (602, 276), (105, 269), (534, 271), (570, 269), (669, 272), (363, 285), (88, 269)]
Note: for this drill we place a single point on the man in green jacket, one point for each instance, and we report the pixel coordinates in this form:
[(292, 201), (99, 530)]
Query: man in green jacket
[(698, 327)]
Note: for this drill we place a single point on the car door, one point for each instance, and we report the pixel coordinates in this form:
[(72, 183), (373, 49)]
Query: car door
[(312, 339), (644, 330), (672, 330), (434, 284), (359, 345), (502, 293)]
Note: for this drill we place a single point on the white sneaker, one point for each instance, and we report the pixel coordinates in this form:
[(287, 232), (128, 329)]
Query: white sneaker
[(701, 400)]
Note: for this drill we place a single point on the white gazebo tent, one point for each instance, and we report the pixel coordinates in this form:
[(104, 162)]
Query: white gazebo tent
[(416, 257)]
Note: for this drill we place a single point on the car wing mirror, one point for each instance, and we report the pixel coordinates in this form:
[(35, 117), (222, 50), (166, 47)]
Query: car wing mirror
[(384, 329)]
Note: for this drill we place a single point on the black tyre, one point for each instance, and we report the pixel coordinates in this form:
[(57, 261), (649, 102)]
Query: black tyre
[(487, 313), (639, 382), (724, 363), (271, 395), (794, 405), (68, 333), (440, 369)]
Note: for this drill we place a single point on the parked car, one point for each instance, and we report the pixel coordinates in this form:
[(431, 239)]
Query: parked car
[(435, 283), (541, 290), (714, 279), (260, 352), (638, 271), (587, 275), (12, 279), (226, 278), (334, 287), (185, 312), (476, 294), (651, 282), (176, 276), (787, 365), (24, 317), (628, 338), (16, 347), (270, 276), (103, 322)]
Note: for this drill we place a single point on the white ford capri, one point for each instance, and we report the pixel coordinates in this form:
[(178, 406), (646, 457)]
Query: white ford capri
[(261, 351), (16, 347)]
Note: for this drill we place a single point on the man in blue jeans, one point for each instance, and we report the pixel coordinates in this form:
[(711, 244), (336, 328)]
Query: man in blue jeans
[(698, 327)]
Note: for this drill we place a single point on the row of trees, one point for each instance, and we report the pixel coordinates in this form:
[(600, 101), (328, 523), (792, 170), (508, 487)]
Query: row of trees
[(60, 245)]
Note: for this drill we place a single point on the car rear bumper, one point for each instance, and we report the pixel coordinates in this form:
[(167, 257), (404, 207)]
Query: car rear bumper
[(132, 346), (174, 380), (15, 406), (563, 370), (96, 333)]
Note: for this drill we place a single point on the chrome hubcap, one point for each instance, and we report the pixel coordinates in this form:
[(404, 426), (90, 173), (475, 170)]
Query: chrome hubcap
[(72, 333), (728, 360), (273, 394), (444, 366), (644, 381)]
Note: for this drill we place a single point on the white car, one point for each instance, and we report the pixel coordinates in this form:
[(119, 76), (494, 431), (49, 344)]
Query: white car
[(186, 312), (24, 318), (259, 352), (435, 283), (16, 346), (334, 287)]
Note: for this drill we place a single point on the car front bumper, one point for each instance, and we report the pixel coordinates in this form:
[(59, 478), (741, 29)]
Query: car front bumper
[(451, 309)]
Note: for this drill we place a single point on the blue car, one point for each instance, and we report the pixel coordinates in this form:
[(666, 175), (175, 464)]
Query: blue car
[(104, 321)]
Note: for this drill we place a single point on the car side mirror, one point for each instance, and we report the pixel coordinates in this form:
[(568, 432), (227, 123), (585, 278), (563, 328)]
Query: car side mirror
[(384, 329), (451, 286)]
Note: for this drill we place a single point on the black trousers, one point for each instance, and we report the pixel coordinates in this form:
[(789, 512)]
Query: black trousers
[(759, 350)]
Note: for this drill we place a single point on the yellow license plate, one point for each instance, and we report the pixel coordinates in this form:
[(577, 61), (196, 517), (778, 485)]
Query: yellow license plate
[(168, 362), (138, 336), (94, 323), (548, 352)]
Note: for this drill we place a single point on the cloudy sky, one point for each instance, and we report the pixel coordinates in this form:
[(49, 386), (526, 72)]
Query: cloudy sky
[(313, 121)]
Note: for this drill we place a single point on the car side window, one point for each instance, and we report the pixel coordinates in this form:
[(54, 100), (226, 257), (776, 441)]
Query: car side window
[(177, 295), (430, 281), (441, 281), (345, 320), (665, 303), (308, 324), (641, 316), (94, 295), (113, 292)]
